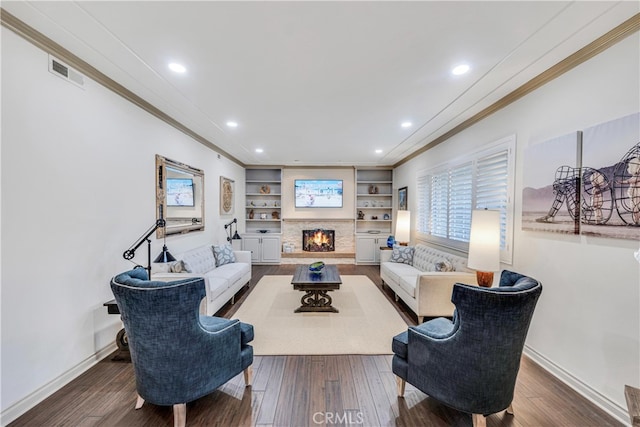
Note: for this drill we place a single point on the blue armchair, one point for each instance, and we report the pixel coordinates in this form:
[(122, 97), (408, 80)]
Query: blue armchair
[(178, 355), (471, 363)]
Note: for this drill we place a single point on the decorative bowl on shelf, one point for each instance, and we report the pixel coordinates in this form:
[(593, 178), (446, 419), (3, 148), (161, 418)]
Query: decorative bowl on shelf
[(263, 231), (316, 267)]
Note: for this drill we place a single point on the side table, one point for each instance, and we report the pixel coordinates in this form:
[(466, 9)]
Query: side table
[(121, 337)]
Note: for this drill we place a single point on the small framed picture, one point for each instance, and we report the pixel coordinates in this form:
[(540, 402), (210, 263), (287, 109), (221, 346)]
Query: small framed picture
[(402, 199)]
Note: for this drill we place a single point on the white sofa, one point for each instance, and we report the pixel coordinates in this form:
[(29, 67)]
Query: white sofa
[(418, 282), (221, 282)]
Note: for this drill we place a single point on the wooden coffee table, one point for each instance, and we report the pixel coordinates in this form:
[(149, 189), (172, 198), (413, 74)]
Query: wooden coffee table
[(316, 288)]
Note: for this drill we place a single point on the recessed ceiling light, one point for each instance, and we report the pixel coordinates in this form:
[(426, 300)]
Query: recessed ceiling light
[(378, 151), (178, 68), (232, 124), (460, 69), (259, 150), (406, 124)]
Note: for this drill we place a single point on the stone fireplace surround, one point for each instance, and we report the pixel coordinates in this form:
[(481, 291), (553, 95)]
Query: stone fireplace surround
[(344, 237)]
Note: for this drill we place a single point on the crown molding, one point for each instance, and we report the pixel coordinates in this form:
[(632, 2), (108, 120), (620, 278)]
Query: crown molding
[(602, 43), (41, 41)]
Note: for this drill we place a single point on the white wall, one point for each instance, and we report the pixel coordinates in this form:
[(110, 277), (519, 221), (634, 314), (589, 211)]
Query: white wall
[(586, 328), (77, 190)]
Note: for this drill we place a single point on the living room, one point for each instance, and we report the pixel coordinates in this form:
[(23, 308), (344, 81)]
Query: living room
[(78, 189)]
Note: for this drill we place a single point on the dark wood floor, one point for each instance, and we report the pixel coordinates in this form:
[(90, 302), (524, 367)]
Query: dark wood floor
[(307, 391)]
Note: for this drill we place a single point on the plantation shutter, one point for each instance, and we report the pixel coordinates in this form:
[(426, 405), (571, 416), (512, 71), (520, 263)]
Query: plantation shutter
[(492, 184), (422, 218), (438, 223), (460, 201)]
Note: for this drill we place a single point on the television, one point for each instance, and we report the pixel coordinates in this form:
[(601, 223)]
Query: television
[(318, 193), (180, 192)]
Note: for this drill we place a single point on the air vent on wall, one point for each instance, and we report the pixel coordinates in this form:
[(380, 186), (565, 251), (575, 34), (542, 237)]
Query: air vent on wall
[(63, 71)]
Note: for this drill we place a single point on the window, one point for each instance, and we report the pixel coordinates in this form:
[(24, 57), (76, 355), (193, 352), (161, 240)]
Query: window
[(448, 194)]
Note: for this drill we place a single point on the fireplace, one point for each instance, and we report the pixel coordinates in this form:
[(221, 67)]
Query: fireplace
[(318, 240)]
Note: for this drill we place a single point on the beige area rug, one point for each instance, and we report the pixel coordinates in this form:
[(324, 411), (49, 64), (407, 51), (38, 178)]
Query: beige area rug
[(366, 323)]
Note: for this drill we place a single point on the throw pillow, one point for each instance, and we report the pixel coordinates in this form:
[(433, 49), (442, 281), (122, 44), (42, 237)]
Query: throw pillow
[(224, 254), (444, 265), (402, 254), (177, 267)]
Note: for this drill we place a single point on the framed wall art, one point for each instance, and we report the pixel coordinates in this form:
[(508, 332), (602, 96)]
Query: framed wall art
[(402, 199), (551, 187), (227, 196)]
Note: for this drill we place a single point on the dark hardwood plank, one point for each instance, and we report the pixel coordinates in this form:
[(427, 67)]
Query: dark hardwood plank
[(288, 390)]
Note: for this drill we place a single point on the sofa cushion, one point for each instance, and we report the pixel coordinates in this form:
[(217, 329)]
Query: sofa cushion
[(444, 265), (216, 286), (177, 267), (224, 254), (199, 260), (395, 270), (233, 272), (402, 254)]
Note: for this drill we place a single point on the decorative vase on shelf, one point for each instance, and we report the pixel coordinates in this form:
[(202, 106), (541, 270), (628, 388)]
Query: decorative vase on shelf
[(390, 241)]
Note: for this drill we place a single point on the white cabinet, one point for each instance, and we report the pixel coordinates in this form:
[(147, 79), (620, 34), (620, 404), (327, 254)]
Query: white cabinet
[(368, 249), (264, 249), (374, 199)]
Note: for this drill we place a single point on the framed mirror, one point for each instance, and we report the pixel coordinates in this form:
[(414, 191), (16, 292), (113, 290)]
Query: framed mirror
[(179, 197)]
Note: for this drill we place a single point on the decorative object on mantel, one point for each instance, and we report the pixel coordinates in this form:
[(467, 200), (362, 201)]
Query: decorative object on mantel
[(484, 245), (265, 189), (316, 267)]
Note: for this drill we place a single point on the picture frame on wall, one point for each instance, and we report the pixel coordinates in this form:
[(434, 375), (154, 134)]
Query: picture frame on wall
[(227, 196), (402, 199)]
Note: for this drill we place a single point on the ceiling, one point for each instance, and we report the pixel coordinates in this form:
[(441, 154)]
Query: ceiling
[(322, 83)]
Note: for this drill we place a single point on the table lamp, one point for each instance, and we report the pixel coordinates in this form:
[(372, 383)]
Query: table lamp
[(484, 245), (403, 228)]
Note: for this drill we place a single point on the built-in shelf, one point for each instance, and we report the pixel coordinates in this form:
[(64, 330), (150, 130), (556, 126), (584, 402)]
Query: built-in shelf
[(263, 188), (374, 198)]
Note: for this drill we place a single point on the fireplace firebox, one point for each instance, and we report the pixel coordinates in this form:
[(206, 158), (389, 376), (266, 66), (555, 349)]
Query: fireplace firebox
[(318, 240)]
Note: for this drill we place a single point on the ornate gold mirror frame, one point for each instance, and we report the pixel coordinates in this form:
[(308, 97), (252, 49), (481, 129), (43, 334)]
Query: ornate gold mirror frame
[(179, 197)]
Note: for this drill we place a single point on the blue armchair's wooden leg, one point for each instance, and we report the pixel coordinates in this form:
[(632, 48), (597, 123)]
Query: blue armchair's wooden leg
[(179, 415), (510, 409), (248, 374), (479, 420), (400, 383), (139, 402)]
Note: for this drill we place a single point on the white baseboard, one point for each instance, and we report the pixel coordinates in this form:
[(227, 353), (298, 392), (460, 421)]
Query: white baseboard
[(618, 412), (22, 406)]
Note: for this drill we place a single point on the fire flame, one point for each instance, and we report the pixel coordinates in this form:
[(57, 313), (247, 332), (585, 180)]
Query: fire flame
[(319, 238)]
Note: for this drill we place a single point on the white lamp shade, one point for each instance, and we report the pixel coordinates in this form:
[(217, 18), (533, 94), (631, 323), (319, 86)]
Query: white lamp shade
[(403, 227), (484, 242)]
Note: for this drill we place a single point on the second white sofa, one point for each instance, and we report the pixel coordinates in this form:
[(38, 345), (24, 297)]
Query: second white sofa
[(223, 277), (423, 277)]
